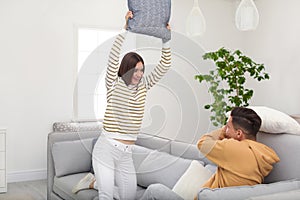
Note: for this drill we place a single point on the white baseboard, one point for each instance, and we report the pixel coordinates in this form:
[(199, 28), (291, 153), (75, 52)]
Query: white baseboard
[(28, 175)]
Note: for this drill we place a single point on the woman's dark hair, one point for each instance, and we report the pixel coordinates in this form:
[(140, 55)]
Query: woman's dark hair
[(127, 66), (246, 119)]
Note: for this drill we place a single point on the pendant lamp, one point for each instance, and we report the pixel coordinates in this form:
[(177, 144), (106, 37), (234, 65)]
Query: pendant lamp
[(246, 16), (195, 25)]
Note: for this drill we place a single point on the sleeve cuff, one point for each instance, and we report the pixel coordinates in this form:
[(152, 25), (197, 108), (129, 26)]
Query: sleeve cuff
[(166, 44)]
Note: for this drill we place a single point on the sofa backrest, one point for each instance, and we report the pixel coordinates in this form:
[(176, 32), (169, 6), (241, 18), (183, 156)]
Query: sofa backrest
[(287, 147), (173, 147)]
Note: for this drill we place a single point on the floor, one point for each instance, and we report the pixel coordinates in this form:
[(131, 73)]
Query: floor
[(29, 190)]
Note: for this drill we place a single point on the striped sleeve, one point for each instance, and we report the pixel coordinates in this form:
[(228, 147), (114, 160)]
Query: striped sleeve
[(113, 62), (161, 69)]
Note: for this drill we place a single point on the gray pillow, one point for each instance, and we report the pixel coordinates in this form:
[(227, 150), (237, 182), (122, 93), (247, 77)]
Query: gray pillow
[(150, 17), (72, 157), (161, 167), (244, 192)]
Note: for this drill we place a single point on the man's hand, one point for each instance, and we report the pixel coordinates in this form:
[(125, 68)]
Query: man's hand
[(223, 133)]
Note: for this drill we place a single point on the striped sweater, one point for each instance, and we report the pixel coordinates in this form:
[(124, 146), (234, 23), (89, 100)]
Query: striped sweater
[(125, 106)]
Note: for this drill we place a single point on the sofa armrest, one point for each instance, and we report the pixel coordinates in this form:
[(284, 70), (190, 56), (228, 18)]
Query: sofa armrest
[(54, 137), (289, 195), (244, 192)]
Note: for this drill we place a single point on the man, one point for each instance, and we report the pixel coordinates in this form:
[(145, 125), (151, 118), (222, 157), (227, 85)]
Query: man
[(241, 160)]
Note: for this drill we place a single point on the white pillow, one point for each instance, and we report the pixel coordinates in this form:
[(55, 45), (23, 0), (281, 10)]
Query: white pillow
[(191, 181), (274, 121)]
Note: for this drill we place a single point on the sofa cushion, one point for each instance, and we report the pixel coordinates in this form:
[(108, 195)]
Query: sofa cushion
[(140, 192), (160, 192), (191, 181), (161, 167), (244, 192), (63, 187), (150, 17), (72, 157)]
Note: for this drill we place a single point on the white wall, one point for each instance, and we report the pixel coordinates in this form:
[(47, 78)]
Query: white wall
[(219, 16), (38, 62), (38, 72), (276, 44)]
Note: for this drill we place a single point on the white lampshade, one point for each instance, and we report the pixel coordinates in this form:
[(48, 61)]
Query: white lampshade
[(195, 24), (246, 16)]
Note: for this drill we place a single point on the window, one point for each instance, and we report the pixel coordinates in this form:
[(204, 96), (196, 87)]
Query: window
[(92, 53)]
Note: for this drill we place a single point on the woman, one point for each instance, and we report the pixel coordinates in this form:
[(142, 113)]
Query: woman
[(126, 94)]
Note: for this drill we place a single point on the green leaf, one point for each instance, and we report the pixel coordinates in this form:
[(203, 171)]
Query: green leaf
[(241, 80), (199, 78), (267, 76), (207, 106), (221, 64)]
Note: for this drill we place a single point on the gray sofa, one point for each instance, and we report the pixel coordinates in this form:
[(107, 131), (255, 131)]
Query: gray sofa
[(160, 160)]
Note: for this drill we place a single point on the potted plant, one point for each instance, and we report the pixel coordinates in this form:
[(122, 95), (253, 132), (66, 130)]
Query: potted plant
[(227, 81)]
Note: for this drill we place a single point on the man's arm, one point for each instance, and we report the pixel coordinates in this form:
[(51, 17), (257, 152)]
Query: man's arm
[(212, 146)]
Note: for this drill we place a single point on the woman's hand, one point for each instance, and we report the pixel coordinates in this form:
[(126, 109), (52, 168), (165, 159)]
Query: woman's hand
[(168, 26), (129, 15)]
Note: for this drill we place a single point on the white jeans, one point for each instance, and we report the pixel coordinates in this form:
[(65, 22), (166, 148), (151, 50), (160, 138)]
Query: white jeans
[(113, 167)]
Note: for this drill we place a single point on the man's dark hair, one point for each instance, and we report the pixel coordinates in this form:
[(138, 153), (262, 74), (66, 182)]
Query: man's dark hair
[(246, 119), (127, 66)]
